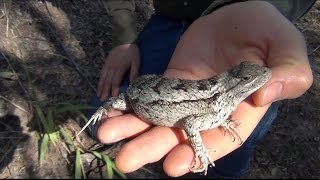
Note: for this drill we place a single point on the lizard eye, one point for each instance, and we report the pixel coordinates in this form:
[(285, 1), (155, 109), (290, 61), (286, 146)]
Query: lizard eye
[(245, 78)]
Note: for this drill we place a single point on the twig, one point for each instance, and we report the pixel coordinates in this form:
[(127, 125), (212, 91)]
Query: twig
[(7, 17), (9, 173), (3, 14), (10, 66), (16, 105), (313, 51), (63, 153), (66, 148), (70, 57), (31, 38), (83, 171)]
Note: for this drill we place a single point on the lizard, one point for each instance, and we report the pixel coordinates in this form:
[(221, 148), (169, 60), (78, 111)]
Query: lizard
[(194, 105)]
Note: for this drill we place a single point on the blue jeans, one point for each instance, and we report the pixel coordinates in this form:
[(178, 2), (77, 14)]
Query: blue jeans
[(157, 43)]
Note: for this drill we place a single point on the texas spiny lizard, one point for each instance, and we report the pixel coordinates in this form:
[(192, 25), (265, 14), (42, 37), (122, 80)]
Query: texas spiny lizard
[(194, 105)]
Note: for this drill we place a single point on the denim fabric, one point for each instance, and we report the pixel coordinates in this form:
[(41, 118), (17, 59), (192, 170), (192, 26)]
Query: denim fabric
[(157, 43)]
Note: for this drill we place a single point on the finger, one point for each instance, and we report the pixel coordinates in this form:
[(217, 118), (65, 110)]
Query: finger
[(103, 75), (291, 71), (179, 161), (116, 80), (287, 56), (117, 128), (149, 147), (182, 157), (134, 71), (107, 85), (287, 82)]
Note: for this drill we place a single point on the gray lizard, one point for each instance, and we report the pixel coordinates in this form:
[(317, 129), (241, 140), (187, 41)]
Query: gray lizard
[(194, 105)]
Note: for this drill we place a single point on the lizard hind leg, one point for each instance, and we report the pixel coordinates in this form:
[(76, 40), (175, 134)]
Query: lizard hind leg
[(192, 126), (117, 103)]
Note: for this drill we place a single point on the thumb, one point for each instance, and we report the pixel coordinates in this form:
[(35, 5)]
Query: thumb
[(289, 80)]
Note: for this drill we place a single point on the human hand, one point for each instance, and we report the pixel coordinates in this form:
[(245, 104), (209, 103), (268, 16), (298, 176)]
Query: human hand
[(252, 30), (119, 60)]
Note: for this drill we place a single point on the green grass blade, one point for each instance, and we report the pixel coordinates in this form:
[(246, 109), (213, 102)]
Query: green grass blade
[(98, 155), (30, 85), (45, 122), (42, 118), (83, 117), (50, 122), (52, 134), (274, 172), (108, 166), (113, 166), (8, 75), (66, 136), (78, 164), (43, 148), (54, 138), (123, 176)]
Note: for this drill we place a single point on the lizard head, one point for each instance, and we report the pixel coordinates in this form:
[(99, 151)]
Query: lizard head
[(246, 78)]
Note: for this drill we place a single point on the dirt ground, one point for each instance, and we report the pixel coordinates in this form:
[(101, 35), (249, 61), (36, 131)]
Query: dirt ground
[(62, 44)]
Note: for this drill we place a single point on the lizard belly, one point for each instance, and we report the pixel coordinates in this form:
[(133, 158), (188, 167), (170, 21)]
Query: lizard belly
[(157, 115), (170, 114)]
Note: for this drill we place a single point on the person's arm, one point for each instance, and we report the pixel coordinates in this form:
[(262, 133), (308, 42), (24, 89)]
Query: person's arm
[(125, 53), (122, 20)]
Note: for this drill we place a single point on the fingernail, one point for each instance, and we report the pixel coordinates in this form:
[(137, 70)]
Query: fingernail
[(116, 139), (102, 98), (115, 92), (273, 93), (112, 138)]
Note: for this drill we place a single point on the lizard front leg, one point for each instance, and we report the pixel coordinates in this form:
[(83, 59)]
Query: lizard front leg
[(117, 103), (193, 126), (229, 125)]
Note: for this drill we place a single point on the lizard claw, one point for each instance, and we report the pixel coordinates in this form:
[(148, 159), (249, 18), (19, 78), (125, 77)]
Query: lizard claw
[(94, 118), (204, 162), (98, 115), (229, 126)]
